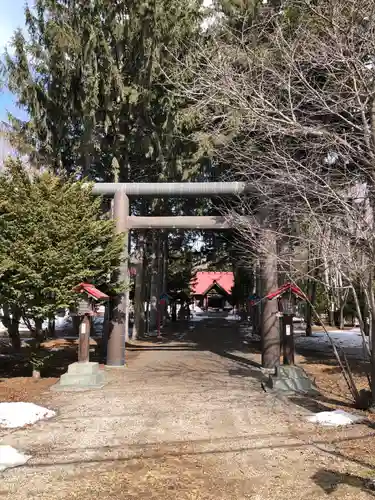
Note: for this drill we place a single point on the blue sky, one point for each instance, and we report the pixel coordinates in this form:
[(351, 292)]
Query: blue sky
[(12, 17)]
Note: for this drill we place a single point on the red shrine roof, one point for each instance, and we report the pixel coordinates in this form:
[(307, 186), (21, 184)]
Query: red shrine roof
[(91, 290), (203, 281)]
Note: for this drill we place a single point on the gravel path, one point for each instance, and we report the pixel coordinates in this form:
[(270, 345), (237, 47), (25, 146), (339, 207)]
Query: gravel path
[(181, 422)]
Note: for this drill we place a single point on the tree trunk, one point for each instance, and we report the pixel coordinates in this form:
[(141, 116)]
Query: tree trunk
[(331, 316), (139, 295), (371, 277), (51, 327), (309, 307), (164, 273), (342, 297), (155, 282), (258, 292), (342, 317), (372, 340), (39, 335), (366, 347), (364, 309), (330, 298), (127, 246), (11, 321), (270, 320), (14, 335)]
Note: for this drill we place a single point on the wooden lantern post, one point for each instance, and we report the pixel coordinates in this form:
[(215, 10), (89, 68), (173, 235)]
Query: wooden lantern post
[(287, 330), (287, 295), (86, 310), (84, 340)]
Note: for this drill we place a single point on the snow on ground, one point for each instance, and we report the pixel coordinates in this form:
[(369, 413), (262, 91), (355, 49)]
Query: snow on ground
[(349, 340), (10, 457), (335, 418), (320, 341), (195, 318), (197, 314), (233, 316), (19, 414), (195, 309)]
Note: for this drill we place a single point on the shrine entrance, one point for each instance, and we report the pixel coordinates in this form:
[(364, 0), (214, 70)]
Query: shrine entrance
[(215, 300), (126, 222)]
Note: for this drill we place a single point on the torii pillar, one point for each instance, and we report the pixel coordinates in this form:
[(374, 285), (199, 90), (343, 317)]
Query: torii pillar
[(118, 327)]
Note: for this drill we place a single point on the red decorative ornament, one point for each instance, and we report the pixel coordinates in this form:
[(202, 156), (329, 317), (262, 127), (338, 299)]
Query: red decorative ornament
[(288, 287)]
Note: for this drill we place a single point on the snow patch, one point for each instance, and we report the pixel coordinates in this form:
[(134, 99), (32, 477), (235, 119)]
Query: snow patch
[(197, 314), (335, 418), (196, 309), (320, 341), (13, 415), (10, 457), (196, 319), (233, 317)]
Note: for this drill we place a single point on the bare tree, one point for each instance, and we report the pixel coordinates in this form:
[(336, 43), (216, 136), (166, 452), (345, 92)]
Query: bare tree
[(288, 102)]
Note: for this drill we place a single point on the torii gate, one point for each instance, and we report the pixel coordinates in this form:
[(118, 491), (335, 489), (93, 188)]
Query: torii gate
[(125, 222)]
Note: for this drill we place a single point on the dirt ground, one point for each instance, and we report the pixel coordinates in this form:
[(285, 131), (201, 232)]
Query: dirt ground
[(16, 383), (24, 388), (187, 419)]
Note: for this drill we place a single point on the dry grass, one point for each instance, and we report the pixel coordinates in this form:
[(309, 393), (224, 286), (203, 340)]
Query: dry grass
[(335, 395), (330, 380)]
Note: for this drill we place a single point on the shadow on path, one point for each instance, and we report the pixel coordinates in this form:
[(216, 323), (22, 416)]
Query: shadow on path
[(219, 337), (330, 480)]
